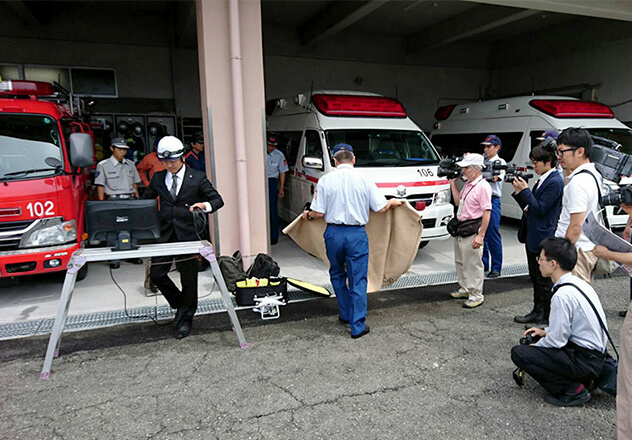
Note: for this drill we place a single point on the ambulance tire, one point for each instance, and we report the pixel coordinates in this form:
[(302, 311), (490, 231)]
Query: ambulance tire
[(83, 272), (423, 244)]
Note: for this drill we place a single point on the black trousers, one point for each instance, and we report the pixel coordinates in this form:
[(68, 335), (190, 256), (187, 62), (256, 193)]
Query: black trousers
[(541, 286), (184, 300), (558, 369)]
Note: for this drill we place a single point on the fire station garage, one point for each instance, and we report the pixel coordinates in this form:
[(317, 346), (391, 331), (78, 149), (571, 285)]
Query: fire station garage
[(143, 67)]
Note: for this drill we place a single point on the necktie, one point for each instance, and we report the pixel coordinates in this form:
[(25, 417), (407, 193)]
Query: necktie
[(537, 183), (174, 186)]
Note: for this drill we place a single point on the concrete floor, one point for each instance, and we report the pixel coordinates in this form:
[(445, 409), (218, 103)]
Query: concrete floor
[(34, 298), (429, 369)]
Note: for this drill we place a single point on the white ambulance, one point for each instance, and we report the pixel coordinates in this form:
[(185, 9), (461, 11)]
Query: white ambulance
[(387, 144), (519, 121)]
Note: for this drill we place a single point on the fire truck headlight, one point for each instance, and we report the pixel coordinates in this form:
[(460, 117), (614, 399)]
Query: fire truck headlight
[(52, 235), (442, 198)]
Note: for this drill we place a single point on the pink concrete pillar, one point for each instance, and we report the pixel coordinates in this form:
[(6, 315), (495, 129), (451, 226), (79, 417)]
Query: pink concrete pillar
[(233, 102)]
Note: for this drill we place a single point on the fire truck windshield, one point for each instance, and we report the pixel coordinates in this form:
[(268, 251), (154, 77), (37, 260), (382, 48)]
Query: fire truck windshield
[(30, 146)]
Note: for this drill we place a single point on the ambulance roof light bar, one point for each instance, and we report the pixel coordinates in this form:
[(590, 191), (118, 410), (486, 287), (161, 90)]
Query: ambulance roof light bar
[(359, 105), (568, 108), (26, 88)]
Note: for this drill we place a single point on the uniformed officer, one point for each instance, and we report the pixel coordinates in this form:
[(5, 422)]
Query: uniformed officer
[(117, 178), (195, 157), (277, 167), (344, 198)]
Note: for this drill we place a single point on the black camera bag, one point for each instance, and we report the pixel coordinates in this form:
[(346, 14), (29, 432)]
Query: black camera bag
[(263, 267), (465, 228)]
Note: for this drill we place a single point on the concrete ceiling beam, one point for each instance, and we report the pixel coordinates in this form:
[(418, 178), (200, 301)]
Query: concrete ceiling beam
[(23, 12), (610, 9), (466, 25), (337, 17)]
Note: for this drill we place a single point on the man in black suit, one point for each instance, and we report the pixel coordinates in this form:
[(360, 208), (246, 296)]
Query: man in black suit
[(181, 190)]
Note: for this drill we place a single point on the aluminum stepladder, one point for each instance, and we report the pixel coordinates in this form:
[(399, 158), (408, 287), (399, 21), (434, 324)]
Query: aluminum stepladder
[(83, 256)]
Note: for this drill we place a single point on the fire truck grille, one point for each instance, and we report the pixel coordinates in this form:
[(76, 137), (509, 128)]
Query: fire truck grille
[(14, 226), (12, 243)]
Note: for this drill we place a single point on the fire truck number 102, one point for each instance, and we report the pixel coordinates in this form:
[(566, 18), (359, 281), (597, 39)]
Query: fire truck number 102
[(39, 209)]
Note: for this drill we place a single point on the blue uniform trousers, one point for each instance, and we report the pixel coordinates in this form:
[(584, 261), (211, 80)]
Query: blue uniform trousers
[(493, 244), (273, 192), (348, 254)]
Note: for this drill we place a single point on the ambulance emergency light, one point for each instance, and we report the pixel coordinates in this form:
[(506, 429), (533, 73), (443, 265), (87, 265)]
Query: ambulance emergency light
[(359, 105), (570, 108), (121, 223)]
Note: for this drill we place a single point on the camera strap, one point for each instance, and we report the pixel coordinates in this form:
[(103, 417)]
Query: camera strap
[(602, 209), (603, 326)]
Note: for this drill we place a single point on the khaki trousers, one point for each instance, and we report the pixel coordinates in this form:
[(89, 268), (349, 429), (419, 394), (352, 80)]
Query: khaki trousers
[(624, 380), (585, 267), (469, 267)]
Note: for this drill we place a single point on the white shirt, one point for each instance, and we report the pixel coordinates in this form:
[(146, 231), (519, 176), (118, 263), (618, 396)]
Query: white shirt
[(543, 177), (497, 187), (346, 195), (580, 195), (180, 178), (573, 319)]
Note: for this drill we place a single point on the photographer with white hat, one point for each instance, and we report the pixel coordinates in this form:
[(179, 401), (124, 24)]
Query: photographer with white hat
[(473, 215)]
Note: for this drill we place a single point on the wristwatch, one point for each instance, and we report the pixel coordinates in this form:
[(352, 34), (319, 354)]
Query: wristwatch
[(309, 217)]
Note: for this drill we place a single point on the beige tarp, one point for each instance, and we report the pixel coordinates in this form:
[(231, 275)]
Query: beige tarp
[(393, 242)]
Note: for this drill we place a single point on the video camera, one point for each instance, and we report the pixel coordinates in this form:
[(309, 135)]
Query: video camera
[(493, 169), (448, 167), (612, 164)]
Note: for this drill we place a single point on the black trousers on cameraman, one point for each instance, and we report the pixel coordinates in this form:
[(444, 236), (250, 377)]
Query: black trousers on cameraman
[(185, 300), (558, 369), (542, 286)]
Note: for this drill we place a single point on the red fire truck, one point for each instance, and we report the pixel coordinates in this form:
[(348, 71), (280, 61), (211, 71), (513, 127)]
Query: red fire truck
[(46, 155)]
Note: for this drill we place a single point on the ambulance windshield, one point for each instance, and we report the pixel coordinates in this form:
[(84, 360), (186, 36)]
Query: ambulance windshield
[(385, 148), (30, 146)]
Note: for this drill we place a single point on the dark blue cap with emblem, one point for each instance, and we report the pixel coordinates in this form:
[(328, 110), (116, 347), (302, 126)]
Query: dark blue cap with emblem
[(342, 147)]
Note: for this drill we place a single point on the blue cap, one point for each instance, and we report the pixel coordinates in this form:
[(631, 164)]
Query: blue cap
[(342, 147), (549, 134), (492, 139)]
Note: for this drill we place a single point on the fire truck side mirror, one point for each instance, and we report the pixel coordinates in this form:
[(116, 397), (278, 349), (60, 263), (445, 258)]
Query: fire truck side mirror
[(81, 150)]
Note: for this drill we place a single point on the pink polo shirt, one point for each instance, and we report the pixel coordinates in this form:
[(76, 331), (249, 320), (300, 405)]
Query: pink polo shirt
[(476, 198)]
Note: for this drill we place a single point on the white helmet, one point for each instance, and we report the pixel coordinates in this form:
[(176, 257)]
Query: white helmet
[(169, 148)]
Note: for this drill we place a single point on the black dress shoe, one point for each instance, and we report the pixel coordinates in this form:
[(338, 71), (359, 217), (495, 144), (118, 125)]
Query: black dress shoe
[(359, 335), (343, 321), (178, 318), (183, 330), (533, 316), (115, 265), (493, 274)]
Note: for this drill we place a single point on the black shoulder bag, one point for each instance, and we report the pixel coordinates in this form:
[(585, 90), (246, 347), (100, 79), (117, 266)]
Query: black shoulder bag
[(607, 380), (465, 228)]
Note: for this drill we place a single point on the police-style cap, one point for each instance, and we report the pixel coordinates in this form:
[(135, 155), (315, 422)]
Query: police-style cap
[(492, 139), (273, 140), (549, 134), (198, 138), (170, 148), (471, 159), (119, 143), (342, 147)]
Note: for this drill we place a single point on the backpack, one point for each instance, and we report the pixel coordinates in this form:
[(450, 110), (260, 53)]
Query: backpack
[(263, 267), (232, 269)]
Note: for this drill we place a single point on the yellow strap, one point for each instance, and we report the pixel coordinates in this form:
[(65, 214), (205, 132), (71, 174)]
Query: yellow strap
[(309, 287)]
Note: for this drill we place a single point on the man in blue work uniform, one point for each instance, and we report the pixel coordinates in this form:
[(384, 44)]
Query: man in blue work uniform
[(277, 167), (195, 158), (493, 244), (344, 198)]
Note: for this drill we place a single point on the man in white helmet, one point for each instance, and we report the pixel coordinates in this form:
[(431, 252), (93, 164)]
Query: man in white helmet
[(181, 190)]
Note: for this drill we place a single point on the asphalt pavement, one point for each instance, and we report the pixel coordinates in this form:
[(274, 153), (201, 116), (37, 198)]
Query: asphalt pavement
[(429, 369)]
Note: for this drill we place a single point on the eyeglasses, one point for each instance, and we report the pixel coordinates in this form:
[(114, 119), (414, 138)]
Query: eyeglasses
[(539, 258), (560, 153)]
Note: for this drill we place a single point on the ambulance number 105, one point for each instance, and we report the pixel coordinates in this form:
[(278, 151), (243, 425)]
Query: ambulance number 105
[(39, 209)]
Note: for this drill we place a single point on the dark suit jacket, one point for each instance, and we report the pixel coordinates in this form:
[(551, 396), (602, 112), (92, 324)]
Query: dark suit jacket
[(174, 214), (544, 209)]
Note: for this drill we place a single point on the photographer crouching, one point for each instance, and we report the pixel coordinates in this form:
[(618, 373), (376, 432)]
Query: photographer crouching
[(570, 353), (468, 229)]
